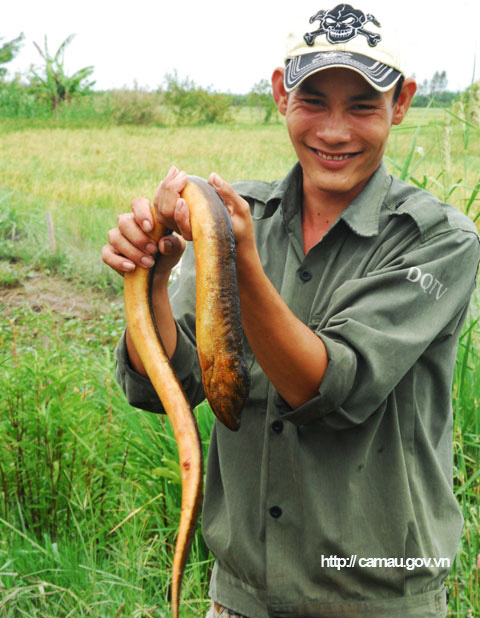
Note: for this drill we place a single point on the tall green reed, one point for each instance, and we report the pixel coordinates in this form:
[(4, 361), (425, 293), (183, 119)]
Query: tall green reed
[(89, 487)]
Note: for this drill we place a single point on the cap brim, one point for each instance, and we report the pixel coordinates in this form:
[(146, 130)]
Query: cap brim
[(380, 76)]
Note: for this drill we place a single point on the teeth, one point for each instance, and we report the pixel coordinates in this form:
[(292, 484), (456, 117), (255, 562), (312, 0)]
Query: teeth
[(332, 157)]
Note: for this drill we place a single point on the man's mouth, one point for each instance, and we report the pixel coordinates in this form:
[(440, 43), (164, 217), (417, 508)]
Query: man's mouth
[(334, 157)]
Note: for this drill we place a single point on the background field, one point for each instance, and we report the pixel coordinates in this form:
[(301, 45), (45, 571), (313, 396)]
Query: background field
[(89, 487)]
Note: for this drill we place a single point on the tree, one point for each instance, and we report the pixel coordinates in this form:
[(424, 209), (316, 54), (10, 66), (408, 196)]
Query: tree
[(424, 88), (8, 51), (261, 96), (438, 82), (53, 83)]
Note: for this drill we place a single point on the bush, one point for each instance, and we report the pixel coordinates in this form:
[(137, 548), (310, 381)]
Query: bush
[(136, 107), (191, 104), (18, 101)]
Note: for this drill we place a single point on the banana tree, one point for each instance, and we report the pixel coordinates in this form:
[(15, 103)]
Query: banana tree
[(8, 51), (53, 83)]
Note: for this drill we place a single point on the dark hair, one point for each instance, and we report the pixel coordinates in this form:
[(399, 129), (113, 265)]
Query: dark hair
[(398, 89)]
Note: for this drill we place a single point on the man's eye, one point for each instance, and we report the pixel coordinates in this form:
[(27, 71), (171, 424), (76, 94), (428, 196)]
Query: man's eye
[(363, 107), (316, 102)]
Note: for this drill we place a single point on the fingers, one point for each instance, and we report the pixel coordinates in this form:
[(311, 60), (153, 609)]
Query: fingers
[(239, 210), (116, 261), (123, 257), (171, 247), (169, 209), (129, 245), (182, 219), (129, 226), (142, 212), (235, 204)]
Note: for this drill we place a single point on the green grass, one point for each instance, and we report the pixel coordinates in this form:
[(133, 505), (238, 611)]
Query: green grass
[(89, 487)]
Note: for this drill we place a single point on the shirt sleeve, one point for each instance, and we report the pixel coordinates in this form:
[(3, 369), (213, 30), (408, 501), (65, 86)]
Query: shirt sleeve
[(138, 389), (377, 327)]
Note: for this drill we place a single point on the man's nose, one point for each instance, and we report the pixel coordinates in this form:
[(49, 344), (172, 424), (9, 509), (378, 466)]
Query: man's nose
[(334, 129)]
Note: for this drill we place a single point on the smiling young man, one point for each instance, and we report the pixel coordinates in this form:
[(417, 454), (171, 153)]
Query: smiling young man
[(335, 496)]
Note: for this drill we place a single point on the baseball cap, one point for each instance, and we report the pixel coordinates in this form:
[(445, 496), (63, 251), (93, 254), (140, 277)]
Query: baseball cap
[(348, 37)]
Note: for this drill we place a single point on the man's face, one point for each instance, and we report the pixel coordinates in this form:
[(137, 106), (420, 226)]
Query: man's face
[(339, 126)]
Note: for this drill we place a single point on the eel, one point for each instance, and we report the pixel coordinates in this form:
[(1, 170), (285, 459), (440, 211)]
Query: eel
[(225, 376)]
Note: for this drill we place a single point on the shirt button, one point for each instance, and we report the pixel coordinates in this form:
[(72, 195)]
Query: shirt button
[(275, 512), (277, 426), (305, 275)]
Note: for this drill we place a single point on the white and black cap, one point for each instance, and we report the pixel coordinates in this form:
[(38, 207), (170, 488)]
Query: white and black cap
[(344, 37)]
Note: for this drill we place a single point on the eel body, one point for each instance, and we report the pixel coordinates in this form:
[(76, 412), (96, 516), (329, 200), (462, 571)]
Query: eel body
[(219, 342), (219, 333)]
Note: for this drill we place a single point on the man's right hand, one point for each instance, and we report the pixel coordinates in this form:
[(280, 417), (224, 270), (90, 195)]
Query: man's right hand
[(129, 244)]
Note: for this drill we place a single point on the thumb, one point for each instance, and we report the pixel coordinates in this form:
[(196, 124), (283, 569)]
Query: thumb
[(232, 200), (171, 245), (171, 249)]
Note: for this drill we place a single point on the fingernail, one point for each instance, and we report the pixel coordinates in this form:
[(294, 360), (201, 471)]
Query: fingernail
[(215, 180), (151, 248), (167, 246), (171, 170), (128, 266), (147, 225), (147, 261)]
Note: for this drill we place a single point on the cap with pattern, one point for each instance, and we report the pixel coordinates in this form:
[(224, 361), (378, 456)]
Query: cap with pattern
[(344, 37)]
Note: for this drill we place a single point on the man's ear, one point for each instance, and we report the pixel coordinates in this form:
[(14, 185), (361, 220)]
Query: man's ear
[(280, 95), (402, 106)]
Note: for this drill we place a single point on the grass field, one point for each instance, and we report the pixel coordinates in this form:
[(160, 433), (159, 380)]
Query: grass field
[(89, 487)]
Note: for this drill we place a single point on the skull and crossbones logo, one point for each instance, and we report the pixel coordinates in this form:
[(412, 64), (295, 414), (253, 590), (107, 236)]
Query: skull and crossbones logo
[(341, 24)]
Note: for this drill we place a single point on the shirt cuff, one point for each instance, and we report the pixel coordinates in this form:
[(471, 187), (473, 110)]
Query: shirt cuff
[(336, 384), (138, 389), (184, 359)]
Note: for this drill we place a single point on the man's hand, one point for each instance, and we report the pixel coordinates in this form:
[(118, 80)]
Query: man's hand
[(172, 210), (129, 244), (240, 215)]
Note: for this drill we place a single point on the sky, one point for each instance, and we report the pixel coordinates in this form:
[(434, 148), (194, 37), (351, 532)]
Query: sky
[(224, 44)]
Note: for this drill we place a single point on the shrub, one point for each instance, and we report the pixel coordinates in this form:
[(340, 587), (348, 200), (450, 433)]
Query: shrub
[(191, 104), (18, 101), (136, 107)]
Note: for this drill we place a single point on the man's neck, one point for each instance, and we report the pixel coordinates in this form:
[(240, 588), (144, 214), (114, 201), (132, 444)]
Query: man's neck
[(320, 210)]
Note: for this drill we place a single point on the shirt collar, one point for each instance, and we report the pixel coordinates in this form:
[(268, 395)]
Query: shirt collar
[(288, 192), (362, 215)]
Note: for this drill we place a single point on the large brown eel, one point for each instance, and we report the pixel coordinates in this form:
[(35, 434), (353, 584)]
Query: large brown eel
[(219, 335)]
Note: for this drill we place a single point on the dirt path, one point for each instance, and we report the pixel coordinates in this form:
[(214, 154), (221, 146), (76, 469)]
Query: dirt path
[(44, 292)]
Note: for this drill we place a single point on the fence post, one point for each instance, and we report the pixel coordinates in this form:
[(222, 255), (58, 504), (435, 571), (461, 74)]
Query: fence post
[(51, 232)]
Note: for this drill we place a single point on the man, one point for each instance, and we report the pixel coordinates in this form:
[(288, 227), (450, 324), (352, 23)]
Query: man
[(353, 289)]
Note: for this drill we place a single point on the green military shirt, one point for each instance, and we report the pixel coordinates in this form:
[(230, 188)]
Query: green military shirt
[(300, 503)]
